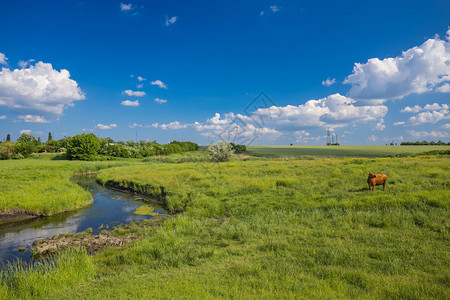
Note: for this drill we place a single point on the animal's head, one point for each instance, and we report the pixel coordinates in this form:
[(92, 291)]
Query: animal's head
[(372, 175)]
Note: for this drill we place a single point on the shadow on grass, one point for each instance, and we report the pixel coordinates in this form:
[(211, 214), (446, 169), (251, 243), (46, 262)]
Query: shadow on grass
[(359, 190)]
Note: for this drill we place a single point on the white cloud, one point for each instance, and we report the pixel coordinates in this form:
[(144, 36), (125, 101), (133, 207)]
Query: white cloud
[(418, 70), (160, 101), (430, 113), (126, 7), (25, 131), (140, 86), (428, 134), (261, 13), (171, 125), (134, 93), (274, 8), (304, 137), (372, 138), (24, 64), (446, 126), (141, 78), (332, 111), (445, 88), (170, 21), (130, 103), (104, 127), (38, 88), (380, 125), (399, 123), (33, 119), (428, 117), (329, 82), (159, 83), (3, 59), (3, 117), (417, 108)]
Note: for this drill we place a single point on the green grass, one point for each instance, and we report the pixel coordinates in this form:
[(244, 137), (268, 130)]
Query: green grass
[(42, 185), (295, 229), (362, 151)]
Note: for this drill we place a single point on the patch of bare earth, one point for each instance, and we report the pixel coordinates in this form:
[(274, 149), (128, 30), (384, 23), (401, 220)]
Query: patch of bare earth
[(14, 215), (92, 243)]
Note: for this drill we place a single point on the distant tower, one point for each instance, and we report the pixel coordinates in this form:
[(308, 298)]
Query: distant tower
[(328, 136)]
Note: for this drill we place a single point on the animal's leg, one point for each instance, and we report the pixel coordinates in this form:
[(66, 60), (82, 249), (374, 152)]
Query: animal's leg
[(384, 185)]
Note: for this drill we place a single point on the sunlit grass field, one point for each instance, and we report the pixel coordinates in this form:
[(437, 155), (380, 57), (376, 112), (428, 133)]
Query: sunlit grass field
[(42, 186), (362, 151), (269, 229)]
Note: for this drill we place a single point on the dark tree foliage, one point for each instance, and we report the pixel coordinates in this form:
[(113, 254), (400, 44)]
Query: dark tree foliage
[(83, 147), (424, 143), (50, 138), (8, 137), (239, 148)]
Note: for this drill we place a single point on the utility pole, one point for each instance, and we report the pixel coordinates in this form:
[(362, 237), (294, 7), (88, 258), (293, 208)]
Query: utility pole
[(328, 136)]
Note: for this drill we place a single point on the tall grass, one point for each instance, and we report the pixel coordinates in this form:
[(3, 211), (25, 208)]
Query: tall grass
[(73, 266), (281, 229)]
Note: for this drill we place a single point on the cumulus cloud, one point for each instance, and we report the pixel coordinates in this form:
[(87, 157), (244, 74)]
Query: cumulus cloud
[(329, 81), (140, 86), (159, 83), (332, 111), (170, 21), (126, 7), (428, 117), (38, 88), (25, 131), (430, 113), (380, 125), (446, 126), (3, 59), (372, 138), (160, 101), (130, 103), (399, 123), (139, 78), (445, 88), (171, 125), (274, 8), (25, 63), (418, 70), (417, 108), (104, 127), (428, 134), (134, 93), (3, 117), (33, 119)]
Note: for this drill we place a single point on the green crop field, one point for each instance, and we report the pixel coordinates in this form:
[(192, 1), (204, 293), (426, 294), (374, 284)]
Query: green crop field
[(295, 229), (362, 151)]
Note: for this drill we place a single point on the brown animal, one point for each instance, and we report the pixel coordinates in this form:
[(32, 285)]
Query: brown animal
[(376, 179)]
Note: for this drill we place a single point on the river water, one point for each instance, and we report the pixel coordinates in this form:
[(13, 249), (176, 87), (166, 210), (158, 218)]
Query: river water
[(110, 208)]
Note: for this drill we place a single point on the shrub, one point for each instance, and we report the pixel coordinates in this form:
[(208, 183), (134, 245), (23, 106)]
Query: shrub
[(6, 150), (83, 146), (239, 148), (221, 151)]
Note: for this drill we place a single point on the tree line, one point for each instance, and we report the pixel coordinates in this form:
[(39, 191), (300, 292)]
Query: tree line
[(89, 147), (417, 143)]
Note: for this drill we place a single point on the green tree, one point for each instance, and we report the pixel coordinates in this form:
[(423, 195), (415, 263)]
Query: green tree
[(83, 146), (8, 137), (50, 138)]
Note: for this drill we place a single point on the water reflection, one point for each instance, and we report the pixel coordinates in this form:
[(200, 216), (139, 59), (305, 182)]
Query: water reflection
[(109, 208)]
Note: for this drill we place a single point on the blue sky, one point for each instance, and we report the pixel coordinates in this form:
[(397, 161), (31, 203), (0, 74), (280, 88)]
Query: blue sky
[(371, 71)]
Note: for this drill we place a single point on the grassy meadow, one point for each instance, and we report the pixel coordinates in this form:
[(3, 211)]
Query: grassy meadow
[(294, 229), (362, 151), (42, 186)]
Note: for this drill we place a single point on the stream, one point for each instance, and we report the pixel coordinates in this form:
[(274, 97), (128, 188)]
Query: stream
[(110, 208)]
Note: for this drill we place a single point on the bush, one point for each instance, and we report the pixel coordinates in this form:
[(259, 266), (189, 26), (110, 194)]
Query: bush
[(221, 151), (239, 148), (6, 150), (83, 147)]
